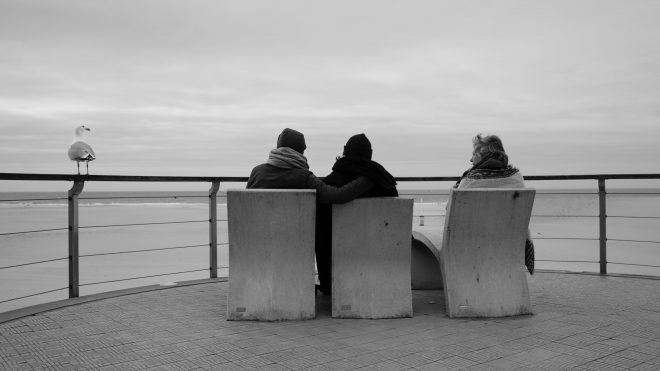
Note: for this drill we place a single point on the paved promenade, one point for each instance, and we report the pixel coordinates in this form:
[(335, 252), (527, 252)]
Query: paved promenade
[(581, 322)]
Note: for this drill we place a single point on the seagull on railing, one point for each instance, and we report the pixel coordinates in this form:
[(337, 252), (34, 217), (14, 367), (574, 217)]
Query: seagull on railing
[(81, 150)]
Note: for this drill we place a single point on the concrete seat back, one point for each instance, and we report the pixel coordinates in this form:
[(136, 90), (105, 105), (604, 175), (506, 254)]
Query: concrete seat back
[(483, 250), (371, 241), (271, 254)]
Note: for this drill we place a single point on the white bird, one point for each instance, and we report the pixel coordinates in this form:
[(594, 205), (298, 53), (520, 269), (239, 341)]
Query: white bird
[(81, 150)]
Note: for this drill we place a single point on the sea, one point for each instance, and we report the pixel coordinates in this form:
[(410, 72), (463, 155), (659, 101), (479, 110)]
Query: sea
[(129, 239)]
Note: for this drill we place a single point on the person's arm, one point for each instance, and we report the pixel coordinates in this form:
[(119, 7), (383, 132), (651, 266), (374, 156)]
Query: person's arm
[(327, 194)]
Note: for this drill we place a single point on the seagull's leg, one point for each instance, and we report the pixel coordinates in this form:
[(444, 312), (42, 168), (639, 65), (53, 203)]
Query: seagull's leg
[(87, 164), (78, 162)]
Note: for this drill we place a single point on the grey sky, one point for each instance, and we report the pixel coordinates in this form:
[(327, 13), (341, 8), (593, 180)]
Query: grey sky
[(204, 87)]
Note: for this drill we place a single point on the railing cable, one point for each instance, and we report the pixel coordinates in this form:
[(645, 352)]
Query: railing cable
[(641, 241), (636, 265), (139, 197), (136, 224), (566, 238), (34, 231), (566, 261), (36, 199), (29, 296), (33, 263), (145, 250), (563, 216)]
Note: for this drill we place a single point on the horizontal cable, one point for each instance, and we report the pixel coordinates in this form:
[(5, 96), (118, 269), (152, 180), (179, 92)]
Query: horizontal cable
[(633, 217), (134, 224), (636, 265), (33, 263), (634, 193), (618, 240), (139, 197), (28, 296), (565, 238), (564, 216), (35, 231), (566, 193), (137, 278), (35, 199), (425, 194), (145, 250), (428, 215), (565, 261)]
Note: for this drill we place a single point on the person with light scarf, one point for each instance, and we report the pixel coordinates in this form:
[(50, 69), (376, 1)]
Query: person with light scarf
[(491, 169), (287, 168)]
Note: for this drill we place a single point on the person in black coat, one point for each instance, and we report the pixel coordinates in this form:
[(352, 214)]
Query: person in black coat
[(287, 168), (355, 163)]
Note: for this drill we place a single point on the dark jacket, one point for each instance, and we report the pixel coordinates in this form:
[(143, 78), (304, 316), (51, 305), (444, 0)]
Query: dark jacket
[(266, 176), (345, 170)]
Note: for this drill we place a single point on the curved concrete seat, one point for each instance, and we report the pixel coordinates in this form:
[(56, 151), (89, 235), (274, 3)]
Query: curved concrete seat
[(480, 252), (425, 271)]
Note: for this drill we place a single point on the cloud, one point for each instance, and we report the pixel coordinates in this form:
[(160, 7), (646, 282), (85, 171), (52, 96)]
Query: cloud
[(173, 87)]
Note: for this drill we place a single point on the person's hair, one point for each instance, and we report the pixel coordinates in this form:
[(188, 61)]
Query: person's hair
[(490, 146)]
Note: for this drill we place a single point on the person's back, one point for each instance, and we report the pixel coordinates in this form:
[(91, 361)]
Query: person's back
[(491, 169), (356, 162), (287, 168)]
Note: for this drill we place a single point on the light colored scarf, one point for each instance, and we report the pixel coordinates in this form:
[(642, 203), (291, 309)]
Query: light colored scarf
[(287, 158)]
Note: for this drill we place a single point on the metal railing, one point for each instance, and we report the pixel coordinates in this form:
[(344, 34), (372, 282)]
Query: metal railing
[(74, 227)]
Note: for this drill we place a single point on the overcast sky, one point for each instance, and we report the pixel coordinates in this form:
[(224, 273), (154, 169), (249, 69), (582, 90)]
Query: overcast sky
[(203, 88)]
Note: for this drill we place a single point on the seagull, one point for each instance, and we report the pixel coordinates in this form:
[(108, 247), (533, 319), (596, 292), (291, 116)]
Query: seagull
[(80, 150)]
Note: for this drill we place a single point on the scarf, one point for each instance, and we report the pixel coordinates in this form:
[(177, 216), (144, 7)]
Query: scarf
[(287, 158), (355, 167), (488, 168)]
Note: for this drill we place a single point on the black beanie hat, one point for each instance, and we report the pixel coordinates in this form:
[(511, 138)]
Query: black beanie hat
[(292, 139), (358, 146)]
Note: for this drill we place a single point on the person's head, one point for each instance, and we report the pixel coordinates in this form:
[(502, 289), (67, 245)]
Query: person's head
[(292, 139), (358, 146), (487, 146)]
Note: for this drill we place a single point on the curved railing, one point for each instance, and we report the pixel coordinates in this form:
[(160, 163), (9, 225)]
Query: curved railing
[(79, 181)]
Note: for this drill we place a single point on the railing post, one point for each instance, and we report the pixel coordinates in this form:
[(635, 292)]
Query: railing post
[(73, 238), (213, 228), (602, 217)]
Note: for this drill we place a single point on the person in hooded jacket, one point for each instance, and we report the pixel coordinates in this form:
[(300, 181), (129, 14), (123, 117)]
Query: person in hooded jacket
[(354, 164), (287, 168), (491, 169)]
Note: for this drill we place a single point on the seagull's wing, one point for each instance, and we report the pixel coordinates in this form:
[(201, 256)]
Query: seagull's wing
[(81, 151)]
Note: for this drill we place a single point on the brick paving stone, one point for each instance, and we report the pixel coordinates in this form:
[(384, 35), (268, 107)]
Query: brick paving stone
[(488, 354), (343, 365), (645, 366), (581, 322), (456, 362), (506, 363), (386, 366)]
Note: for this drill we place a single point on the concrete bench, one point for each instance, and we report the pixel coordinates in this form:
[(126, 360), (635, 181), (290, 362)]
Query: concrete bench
[(425, 259), (371, 258), (481, 252), (271, 254)]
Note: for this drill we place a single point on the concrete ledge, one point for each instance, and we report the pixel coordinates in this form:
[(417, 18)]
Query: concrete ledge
[(53, 305), (271, 254), (371, 242)]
